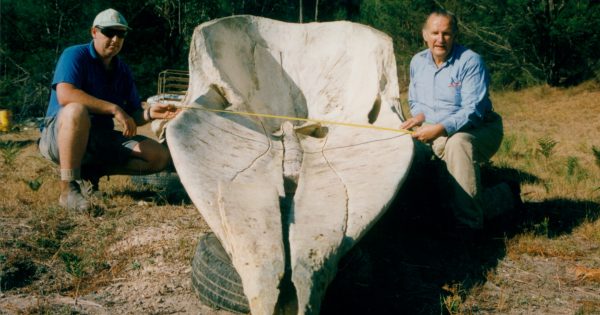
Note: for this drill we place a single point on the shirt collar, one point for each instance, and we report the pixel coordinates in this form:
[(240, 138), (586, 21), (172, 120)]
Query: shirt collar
[(94, 54), (453, 54), (450, 60), (92, 51)]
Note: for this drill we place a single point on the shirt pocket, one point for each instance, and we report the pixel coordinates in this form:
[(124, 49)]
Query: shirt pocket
[(450, 93)]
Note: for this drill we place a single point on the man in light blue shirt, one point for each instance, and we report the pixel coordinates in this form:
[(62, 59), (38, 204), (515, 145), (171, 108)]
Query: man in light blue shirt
[(452, 112)]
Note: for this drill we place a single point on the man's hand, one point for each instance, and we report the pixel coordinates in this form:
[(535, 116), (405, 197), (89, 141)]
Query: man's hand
[(428, 133), (128, 124), (413, 122), (163, 111)]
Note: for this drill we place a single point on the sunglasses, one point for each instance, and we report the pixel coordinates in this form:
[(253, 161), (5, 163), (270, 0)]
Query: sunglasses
[(112, 32)]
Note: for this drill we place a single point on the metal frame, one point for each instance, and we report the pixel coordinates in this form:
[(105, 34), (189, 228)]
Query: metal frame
[(172, 83)]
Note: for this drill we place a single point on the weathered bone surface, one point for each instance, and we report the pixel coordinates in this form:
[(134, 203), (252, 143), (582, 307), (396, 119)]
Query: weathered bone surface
[(281, 196)]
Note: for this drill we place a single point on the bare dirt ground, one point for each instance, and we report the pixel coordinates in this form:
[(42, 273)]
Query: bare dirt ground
[(155, 287), (132, 254), (143, 238)]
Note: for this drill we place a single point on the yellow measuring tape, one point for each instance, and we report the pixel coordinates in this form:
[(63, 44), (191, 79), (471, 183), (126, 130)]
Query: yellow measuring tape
[(324, 122)]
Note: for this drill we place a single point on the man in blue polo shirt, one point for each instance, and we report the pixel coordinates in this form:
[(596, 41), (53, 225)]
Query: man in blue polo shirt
[(91, 87), (453, 115)]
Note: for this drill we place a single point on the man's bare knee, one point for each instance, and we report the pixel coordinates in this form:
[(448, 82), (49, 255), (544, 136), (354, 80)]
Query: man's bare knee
[(74, 114), (156, 155)]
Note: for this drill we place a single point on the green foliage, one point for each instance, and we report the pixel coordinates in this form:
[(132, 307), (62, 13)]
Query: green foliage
[(542, 228), (35, 184), (47, 243), (39, 30), (572, 165), (501, 31), (73, 264), (135, 265), (574, 170), (507, 145), (452, 301), (10, 150), (537, 40), (596, 152), (547, 145), (524, 42), (403, 21)]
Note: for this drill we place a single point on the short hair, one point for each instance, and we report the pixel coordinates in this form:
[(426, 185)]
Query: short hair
[(444, 13)]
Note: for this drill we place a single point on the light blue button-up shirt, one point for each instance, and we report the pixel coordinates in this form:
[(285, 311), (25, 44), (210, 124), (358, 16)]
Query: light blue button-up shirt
[(455, 94)]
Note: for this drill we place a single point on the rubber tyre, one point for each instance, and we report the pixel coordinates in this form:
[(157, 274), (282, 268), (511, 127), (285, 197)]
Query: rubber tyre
[(214, 278), (161, 181), (165, 184)]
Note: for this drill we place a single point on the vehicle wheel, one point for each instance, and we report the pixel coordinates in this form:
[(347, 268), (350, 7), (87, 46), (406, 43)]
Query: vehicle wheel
[(214, 278), (166, 184), (161, 181)]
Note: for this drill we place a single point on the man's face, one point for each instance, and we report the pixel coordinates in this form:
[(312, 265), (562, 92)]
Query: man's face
[(108, 41), (439, 37)]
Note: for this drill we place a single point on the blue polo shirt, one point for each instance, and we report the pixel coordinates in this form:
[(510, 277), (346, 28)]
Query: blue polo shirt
[(81, 66), (455, 94)]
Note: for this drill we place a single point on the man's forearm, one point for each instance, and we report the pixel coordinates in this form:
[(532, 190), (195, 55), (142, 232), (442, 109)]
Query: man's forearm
[(67, 93)]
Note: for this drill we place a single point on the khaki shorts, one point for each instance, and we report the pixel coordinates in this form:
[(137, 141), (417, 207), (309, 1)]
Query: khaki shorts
[(105, 147)]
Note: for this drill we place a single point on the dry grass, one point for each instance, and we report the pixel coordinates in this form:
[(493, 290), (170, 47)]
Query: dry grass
[(45, 250), (558, 248), (571, 171), (548, 265), (568, 117)]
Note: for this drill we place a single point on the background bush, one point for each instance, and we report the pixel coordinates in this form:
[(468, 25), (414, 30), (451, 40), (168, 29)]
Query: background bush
[(524, 42)]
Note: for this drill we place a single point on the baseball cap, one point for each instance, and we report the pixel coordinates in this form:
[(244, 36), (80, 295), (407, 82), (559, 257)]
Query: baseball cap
[(110, 18)]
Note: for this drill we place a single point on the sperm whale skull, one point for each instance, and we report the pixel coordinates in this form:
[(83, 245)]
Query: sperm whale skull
[(288, 199)]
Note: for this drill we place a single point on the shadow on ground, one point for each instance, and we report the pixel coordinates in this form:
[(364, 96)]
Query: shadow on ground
[(412, 259), (158, 196), (15, 143), (162, 188)]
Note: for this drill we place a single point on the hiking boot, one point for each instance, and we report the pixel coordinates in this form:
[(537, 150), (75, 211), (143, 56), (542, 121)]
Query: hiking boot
[(73, 200), (89, 189), (90, 181)]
